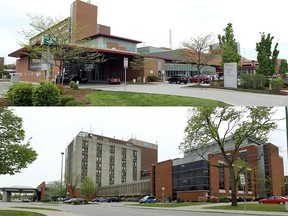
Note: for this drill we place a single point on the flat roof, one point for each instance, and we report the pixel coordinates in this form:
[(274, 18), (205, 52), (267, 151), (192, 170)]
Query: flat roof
[(114, 37)]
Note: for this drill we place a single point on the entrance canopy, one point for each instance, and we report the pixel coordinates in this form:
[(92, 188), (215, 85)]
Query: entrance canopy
[(7, 191)]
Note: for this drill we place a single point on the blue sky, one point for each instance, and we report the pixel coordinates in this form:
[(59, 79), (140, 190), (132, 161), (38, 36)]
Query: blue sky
[(151, 21), (52, 129)]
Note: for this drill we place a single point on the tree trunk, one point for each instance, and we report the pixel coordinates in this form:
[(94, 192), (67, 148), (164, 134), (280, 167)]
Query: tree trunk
[(233, 184)]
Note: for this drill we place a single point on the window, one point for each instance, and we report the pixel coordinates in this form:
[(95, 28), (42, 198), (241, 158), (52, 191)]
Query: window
[(221, 176)]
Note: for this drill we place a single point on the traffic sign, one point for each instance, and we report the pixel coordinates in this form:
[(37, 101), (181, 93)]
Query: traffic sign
[(242, 179)]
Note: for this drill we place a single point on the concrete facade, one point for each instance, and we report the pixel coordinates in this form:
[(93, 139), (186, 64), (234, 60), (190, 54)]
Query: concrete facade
[(109, 162)]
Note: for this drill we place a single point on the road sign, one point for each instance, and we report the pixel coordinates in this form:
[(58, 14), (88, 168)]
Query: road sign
[(242, 179), (125, 62)]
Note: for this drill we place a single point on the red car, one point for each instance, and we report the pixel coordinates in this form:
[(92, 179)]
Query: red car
[(114, 80), (274, 200), (202, 78)]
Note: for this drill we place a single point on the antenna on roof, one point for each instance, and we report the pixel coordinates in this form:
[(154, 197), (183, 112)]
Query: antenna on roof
[(170, 38)]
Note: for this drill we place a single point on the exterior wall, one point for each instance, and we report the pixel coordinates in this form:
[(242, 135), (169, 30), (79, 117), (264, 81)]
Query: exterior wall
[(42, 188), (151, 68), (101, 29), (1, 62), (81, 159), (276, 170), (84, 15), (163, 176)]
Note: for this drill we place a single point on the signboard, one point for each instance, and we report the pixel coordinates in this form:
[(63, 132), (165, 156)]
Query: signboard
[(242, 180), (125, 62), (230, 75)]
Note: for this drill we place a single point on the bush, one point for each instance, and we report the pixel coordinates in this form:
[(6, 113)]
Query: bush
[(259, 81), (202, 199), (86, 201), (75, 103), (66, 98), (246, 81), (214, 199), (73, 85), (276, 85), (46, 94), (20, 94), (152, 78), (217, 83), (224, 199), (61, 88), (76, 202)]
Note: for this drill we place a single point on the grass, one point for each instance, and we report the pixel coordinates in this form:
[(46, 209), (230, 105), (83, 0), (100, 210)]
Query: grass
[(110, 98), (36, 208), (19, 213), (252, 207)]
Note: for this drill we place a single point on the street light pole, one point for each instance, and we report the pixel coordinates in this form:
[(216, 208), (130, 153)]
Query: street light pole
[(62, 153)]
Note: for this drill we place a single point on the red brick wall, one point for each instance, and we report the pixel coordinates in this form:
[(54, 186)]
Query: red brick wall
[(163, 178), (42, 188), (84, 16)]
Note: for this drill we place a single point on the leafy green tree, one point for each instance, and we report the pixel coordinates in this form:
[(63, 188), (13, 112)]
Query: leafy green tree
[(283, 67), (54, 189), (57, 43), (197, 51), (267, 58), (228, 45), (215, 124), (14, 155), (88, 187)]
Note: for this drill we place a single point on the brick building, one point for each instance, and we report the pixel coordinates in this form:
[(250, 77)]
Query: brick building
[(192, 176)]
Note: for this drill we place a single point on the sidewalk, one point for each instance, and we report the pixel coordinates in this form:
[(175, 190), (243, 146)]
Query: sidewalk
[(201, 208)]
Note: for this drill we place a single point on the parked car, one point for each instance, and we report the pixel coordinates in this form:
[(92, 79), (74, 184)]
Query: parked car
[(99, 199), (72, 200), (25, 199), (180, 78), (274, 200), (202, 79), (80, 79), (113, 199), (113, 80), (147, 199)]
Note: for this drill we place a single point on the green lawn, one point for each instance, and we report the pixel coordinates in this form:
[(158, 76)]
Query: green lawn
[(110, 98), (19, 213), (36, 208), (252, 207)]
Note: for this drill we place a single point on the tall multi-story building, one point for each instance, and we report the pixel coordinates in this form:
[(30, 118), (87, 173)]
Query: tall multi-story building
[(109, 161), (204, 173)]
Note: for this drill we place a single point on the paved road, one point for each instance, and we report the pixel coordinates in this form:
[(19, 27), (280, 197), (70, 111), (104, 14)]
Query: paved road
[(116, 209), (235, 98)]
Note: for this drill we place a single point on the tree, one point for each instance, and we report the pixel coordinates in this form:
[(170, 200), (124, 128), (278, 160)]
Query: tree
[(54, 189), (73, 181), (14, 155), (209, 125), (88, 187), (197, 51), (228, 45), (283, 67), (267, 59), (57, 43)]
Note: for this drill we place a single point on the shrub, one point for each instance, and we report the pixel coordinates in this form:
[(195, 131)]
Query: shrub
[(152, 78), (259, 81), (214, 199), (46, 94), (217, 83), (20, 94), (86, 201), (61, 88), (202, 199), (73, 85), (75, 103), (223, 199), (76, 202), (246, 80), (276, 85), (66, 98)]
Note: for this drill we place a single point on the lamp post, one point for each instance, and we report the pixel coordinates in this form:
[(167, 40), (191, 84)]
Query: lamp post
[(62, 153)]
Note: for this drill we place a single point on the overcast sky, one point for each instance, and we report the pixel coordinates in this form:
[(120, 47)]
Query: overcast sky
[(52, 129), (150, 21)]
